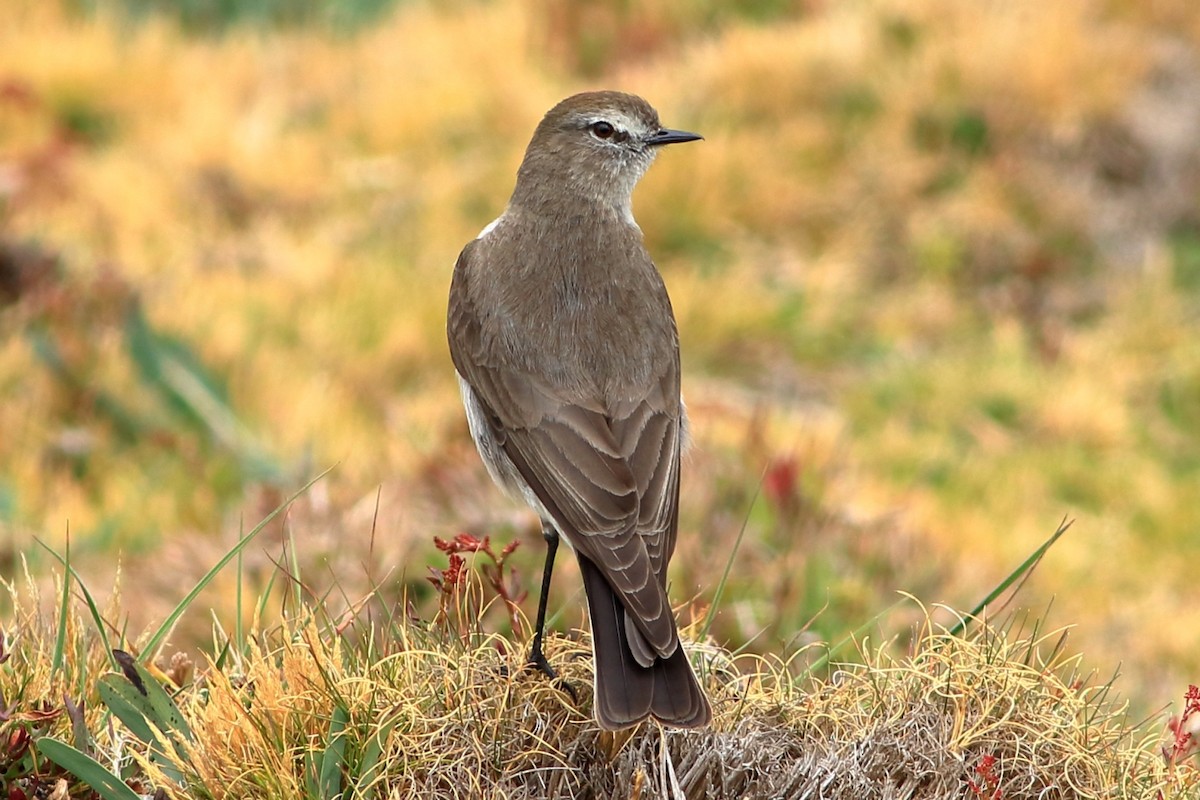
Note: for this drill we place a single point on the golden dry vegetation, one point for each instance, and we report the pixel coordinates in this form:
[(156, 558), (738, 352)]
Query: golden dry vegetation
[(445, 710), (936, 267)]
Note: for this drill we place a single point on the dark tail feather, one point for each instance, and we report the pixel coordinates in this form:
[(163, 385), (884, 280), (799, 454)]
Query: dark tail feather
[(626, 692)]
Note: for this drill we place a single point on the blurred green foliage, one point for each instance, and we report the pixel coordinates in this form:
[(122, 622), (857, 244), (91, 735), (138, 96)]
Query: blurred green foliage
[(217, 16)]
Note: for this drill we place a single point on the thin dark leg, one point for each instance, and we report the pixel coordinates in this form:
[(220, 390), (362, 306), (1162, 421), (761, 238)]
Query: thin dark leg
[(536, 657)]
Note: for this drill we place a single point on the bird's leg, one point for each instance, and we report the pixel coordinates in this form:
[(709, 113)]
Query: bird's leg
[(537, 658)]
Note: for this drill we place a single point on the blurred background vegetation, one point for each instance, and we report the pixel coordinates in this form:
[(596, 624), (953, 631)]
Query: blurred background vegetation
[(936, 267)]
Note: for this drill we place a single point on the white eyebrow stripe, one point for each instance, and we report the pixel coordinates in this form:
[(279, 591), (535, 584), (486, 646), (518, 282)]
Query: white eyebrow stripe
[(614, 118)]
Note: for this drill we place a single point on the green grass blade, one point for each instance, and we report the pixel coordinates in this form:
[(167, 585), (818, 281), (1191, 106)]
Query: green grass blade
[(223, 656), (160, 635), (330, 774), (237, 620), (1020, 573), (60, 641), (369, 767), (711, 616), (87, 769), (93, 609)]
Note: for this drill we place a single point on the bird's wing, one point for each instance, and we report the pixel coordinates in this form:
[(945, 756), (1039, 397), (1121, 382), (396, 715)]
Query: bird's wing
[(608, 484), (650, 440)]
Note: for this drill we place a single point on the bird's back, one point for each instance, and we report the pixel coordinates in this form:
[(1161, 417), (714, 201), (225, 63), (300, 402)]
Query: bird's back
[(577, 303)]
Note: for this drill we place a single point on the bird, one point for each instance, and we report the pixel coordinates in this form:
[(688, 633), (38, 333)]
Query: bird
[(566, 349)]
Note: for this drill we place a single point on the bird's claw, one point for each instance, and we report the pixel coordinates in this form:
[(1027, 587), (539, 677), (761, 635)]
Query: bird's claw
[(538, 662)]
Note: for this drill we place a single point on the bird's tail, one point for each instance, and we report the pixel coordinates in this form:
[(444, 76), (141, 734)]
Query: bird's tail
[(626, 692)]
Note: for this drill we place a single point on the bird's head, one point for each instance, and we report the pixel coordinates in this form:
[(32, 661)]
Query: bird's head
[(593, 146)]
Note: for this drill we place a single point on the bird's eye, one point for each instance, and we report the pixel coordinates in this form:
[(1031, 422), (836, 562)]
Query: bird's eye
[(603, 130)]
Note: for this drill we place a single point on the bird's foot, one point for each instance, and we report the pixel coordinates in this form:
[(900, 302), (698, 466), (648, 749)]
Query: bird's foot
[(538, 662)]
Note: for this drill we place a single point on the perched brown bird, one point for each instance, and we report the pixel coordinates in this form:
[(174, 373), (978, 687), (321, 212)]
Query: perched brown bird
[(568, 359)]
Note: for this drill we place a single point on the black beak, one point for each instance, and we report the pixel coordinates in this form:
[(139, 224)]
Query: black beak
[(667, 136)]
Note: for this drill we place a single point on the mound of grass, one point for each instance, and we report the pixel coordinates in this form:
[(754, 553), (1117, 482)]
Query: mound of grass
[(404, 707), (465, 720)]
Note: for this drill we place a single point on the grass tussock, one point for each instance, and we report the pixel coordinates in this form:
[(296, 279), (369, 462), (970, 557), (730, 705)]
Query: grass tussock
[(414, 708)]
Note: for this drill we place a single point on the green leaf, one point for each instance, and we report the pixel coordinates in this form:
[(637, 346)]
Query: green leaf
[(79, 731), (369, 767), (115, 693), (147, 702), (141, 703), (150, 697), (329, 779), (156, 356), (87, 769)]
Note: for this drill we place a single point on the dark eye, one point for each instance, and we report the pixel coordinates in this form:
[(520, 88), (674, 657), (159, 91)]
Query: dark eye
[(603, 130)]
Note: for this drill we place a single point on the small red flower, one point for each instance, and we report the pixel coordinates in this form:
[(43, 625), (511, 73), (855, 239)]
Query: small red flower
[(446, 580), (1184, 728), (989, 786)]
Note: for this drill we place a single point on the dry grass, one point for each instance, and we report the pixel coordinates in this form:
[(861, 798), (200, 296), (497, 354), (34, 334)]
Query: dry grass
[(999, 713)]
